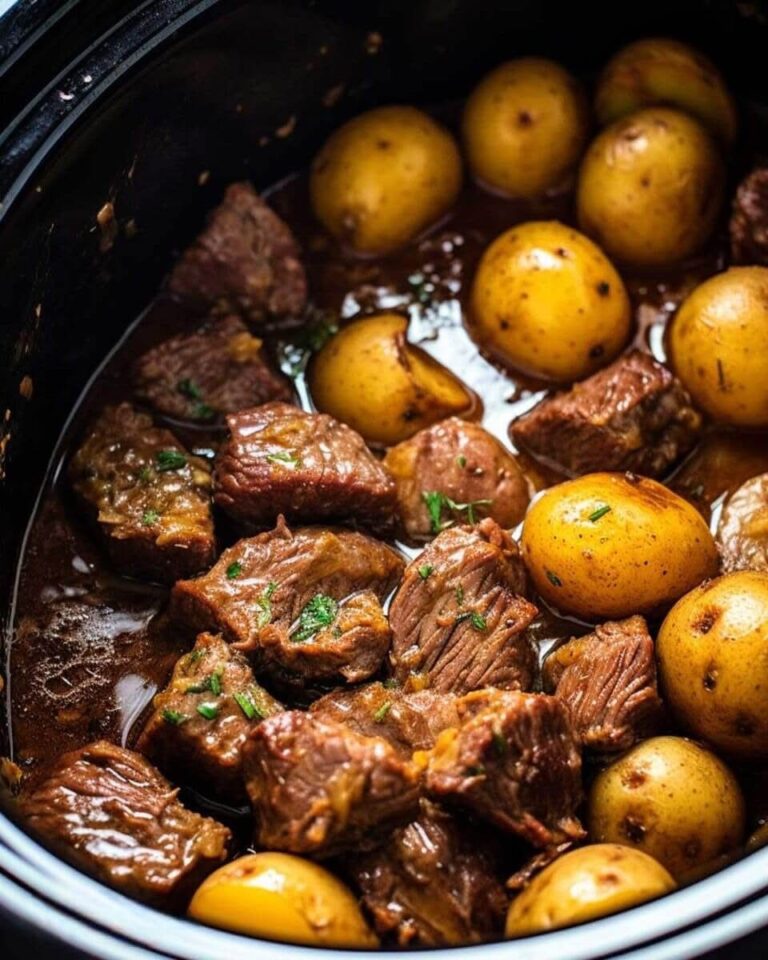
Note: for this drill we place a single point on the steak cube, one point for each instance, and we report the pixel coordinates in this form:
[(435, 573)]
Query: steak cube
[(246, 260), (109, 812), (633, 415), (458, 620), (749, 219), (201, 720), (219, 368), (149, 497)]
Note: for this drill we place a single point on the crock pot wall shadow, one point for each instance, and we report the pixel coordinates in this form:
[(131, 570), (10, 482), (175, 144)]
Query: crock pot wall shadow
[(180, 88)]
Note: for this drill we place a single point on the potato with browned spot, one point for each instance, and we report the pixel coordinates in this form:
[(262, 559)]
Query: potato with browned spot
[(524, 127), (547, 301), (591, 882), (610, 545), (713, 662), (651, 187), (384, 177), (672, 799)]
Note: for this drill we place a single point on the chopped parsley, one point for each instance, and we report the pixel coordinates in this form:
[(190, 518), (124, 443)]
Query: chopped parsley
[(390, 683), (234, 570), (174, 717), (461, 460), (169, 460), (150, 518), (264, 606), (215, 681), (319, 612), (382, 712), (196, 655), (500, 744), (208, 710), (189, 388), (438, 503), (600, 512), (425, 570), (477, 620), (295, 355), (554, 579), (289, 459), (460, 595), (248, 705), (145, 474), (202, 411)]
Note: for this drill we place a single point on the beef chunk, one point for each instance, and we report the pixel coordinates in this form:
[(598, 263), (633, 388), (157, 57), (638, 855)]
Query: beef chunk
[(433, 883), (246, 260), (149, 497), (109, 812), (453, 467), (409, 721), (633, 415), (607, 680), (307, 466), (514, 761), (749, 219), (743, 531), (306, 604), (220, 368), (201, 720), (318, 787), (458, 620)]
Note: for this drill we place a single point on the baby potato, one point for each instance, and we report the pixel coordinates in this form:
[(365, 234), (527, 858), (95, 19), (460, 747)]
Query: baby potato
[(718, 345), (547, 301), (384, 177), (585, 884), (659, 70), (713, 661), (650, 188), (371, 378), (524, 127), (282, 897), (672, 799), (609, 545)]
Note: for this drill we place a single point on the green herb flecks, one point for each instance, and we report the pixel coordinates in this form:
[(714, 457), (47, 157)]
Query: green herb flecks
[(440, 507), (477, 620), (150, 518), (554, 579), (166, 460), (425, 570), (320, 612), (208, 710), (294, 355), (288, 459), (248, 705), (234, 570), (381, 714), (390, 683), (188, 388), (145, 474), (459, 596), (215, 681), (174, 717), (600, 512), (264, 606), (461, 460)]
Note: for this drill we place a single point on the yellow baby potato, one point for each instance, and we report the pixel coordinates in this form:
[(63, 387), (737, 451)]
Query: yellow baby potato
[(282, 897), (659, 70), (548, 302), (718, 344), (585, 884), (650, 188), (384, 177), (672, 799), (609, 545), (713, 662), (524, 127), (371, 378)]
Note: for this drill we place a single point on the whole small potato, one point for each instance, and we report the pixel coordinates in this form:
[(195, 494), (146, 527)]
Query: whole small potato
[(524, 127), (547, 301), (718, 345), (609, 545), (672, 799), (659, 70), (282, 897), (371, 378), (650, 188), (591, 882), (713, 662), (384, 177)]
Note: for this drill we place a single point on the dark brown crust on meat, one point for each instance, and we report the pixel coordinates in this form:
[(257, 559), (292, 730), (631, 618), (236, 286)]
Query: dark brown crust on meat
[(749, 219)]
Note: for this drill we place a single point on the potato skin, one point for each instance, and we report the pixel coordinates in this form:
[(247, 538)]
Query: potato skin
[(650, 188), (371, 378), (282, 897), (384, 177), (718, 345), (713, 662), (547, 301), (650, 548), (659, 70), (672, 799), (524, 127), (591, 882)]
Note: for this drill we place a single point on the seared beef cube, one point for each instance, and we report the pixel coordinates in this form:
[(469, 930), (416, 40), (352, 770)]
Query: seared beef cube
[(203, 717), (749, 219), (433, 883), (607, 680), (307, 466), (743, 531), (109, 812), (409, 721), (150, 498), (245, 260), (450, 470), (514, 761), (306, 604), (458, 620), (220, 368), (632, 415), (319, 788)]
